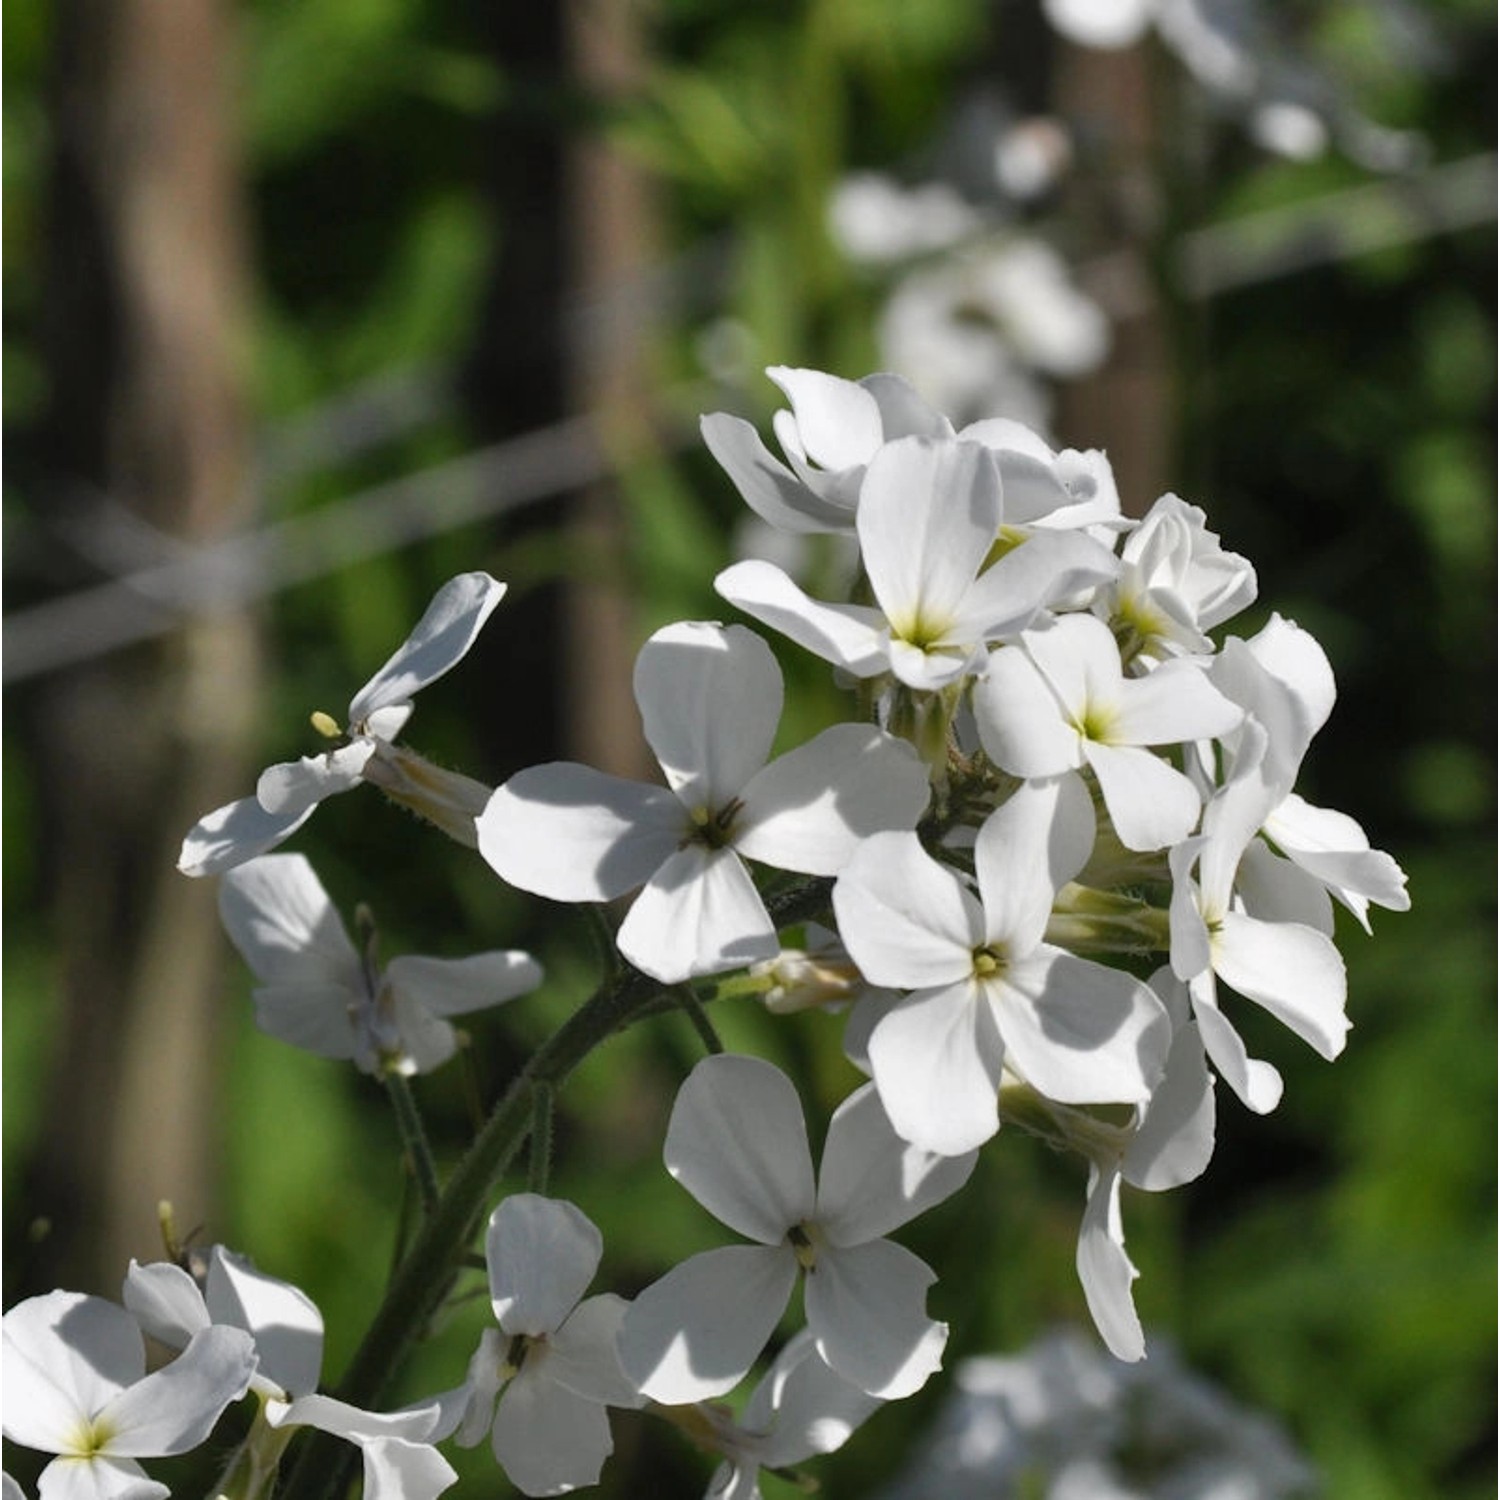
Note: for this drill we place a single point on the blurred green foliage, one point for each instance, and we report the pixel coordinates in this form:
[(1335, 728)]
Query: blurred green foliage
[(1335, 1266)]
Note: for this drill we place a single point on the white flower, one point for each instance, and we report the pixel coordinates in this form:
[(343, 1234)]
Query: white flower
[(286, 794), (319, 994), (737, 1142), (1175, 583), (834, 429), (1061, 700), (710, 698), (552, 1363), (929, 516), (400, 1462), (801, 1408), (76, 1385), (987, 992)]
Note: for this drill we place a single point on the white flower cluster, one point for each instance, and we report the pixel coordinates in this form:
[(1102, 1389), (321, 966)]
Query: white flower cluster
[(1058, 828)]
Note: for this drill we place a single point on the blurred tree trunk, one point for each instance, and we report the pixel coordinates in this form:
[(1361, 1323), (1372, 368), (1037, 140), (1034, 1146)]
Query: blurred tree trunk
[(610, 216), (1126, 406), (146, 451)]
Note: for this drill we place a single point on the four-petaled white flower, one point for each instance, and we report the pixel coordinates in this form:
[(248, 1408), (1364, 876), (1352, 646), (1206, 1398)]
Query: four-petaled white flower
[(737, 1142), (286, 794), (400, 1462), (710, 699), (75, 1380), (929, 517), (1061, 701), (986, 992), (318, 993), (553, 1362)]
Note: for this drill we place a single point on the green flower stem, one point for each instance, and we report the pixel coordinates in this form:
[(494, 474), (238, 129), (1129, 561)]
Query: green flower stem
[(423, 1279), (540, 1170), (413, 1138), (693, 1007)]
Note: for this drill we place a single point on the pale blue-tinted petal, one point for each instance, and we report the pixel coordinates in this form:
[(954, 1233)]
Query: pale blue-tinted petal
[(695, 1333), (314, 1017), (698, 914), (230, 835), (809, 809), (438, 642), (541, 1253), (813, 1408), (572, 833), (710, 700), (866, 1306), (870, 1181), (584, 1354), (737, 1142), (286, 928)]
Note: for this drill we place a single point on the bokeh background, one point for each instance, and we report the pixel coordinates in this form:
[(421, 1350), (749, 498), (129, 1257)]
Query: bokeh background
[(310, 304)]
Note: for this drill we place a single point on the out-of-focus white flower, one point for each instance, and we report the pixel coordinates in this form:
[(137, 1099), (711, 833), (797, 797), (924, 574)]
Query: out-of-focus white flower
[(286, 794), (318, 993), (877, 221), (1063, 1421)]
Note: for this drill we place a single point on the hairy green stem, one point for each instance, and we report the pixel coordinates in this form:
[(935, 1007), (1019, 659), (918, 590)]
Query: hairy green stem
[(437, 1251), (540, 1170), (692, 1006), (413, 1138)]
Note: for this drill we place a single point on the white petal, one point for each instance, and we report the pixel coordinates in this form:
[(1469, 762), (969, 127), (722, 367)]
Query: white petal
[(294, 786), (815, 1409), (456, 986), (1275, 890), (866, 1306), (698, 914), (98, 1478), (1080, 1032), (284, 1320), (1026, 850), (1333, 847), (65, 1354), (766, 485), (1175, 703), (905, 919), (1105, 1269), (1020, 720), (1107, 24), (1257, 1083), (165, 1301), (710, 699), (871, 1181), (1175, 1138), (851, 636), (399, 1469), (937, 1060), (928, 514), (903, 413), (1046, 568), (572, 833), (439, 641), (1152, 804), (314, 1017), (230, 835), (838, 420), (175, 1409), (1294, 972), (286, 928), (737, 1142), (547, 1439), (809, 809), (584, 1354), (541, 1253), (353, 1422), (695, 1333)]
